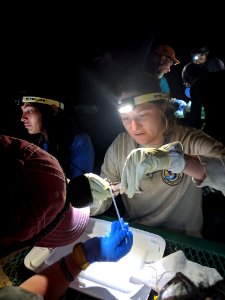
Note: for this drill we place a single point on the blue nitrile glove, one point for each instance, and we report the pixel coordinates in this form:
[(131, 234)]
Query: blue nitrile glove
[(111, 247), (187, 92), (180, 112)]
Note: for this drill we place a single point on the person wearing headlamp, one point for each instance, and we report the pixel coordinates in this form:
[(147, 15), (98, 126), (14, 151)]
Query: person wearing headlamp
[(202, 56), (161, 166), (52, 129)]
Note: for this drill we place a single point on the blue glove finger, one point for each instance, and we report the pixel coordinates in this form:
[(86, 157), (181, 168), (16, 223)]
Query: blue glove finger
[(115, 226), (129, 240), (123, 247), (187, 92), (119, 236), (118, 244), (125, 225), (112, 247), (118, 225)]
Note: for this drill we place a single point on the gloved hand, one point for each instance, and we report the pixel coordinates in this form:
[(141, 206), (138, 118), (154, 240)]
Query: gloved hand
[(99, 187), (111, 247), (187, 92), (182, 107), (143, 161), (87, 189)]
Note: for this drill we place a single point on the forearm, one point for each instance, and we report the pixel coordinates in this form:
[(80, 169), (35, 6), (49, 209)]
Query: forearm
[(194, 168), (52, 283), (215, 172)]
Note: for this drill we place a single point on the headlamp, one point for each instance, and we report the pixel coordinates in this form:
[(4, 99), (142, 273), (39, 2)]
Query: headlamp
[(41, 100), (127, 105), (196, 57)]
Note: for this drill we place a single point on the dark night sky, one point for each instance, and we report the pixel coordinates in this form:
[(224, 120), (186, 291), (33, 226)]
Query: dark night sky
[(52, 41)]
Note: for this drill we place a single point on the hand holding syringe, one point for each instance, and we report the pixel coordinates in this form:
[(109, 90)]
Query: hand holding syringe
[(100, 190), (115, 205)]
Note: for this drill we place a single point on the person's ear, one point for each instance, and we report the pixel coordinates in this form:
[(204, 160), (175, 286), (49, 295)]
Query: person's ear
[(163, 58)]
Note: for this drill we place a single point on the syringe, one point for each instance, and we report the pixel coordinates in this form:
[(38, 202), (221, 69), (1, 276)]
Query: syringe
[(114, 202)]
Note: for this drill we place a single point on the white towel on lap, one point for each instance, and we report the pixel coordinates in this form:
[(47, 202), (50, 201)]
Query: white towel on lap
[(157, 274)]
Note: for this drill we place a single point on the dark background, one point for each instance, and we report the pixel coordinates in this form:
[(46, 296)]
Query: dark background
[(55, 45), (52, 41)]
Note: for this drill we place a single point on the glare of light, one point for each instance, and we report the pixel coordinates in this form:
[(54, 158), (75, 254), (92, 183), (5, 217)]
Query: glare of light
[(196, 57), (125, 109)]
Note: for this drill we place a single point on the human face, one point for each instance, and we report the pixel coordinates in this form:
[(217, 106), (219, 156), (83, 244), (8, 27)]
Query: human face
[(165, 65), (145, 124), (200, 60), (32, 119)]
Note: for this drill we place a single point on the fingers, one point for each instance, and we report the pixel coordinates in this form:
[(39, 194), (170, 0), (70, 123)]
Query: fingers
[(115, 226), (129, 239), (128, 180), (175, 145), (96, 180), (118, 226), (130, 192), (126, 243), (123, 185), (116, 188), (103, 184), (120, 237), (125, 224), (99, 196)]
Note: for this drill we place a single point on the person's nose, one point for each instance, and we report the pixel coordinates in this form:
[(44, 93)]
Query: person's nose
[(23, 117), (135, 125)]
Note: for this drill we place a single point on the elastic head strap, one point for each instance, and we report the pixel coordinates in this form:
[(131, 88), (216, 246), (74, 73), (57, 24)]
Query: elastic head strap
[(41, 100)]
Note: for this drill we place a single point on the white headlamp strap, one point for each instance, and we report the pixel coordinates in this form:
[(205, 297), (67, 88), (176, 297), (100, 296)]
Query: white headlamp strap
[(127, 105), (42, 101), (150, 97)]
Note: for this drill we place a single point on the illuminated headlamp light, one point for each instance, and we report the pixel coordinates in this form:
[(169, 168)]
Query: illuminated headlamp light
[(127, 105), (41, 100), (196, 57)]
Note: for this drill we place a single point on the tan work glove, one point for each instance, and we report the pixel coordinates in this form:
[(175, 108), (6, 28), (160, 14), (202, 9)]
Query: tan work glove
[(99, 187), (87, 189), (142, 161)]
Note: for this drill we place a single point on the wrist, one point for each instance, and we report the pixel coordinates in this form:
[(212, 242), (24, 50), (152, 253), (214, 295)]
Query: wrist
[(92, 249), (178, 161), (195, 168), (79, 256), (177, 164)]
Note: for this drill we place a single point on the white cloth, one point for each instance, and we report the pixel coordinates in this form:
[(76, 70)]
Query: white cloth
[(157, 274)]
